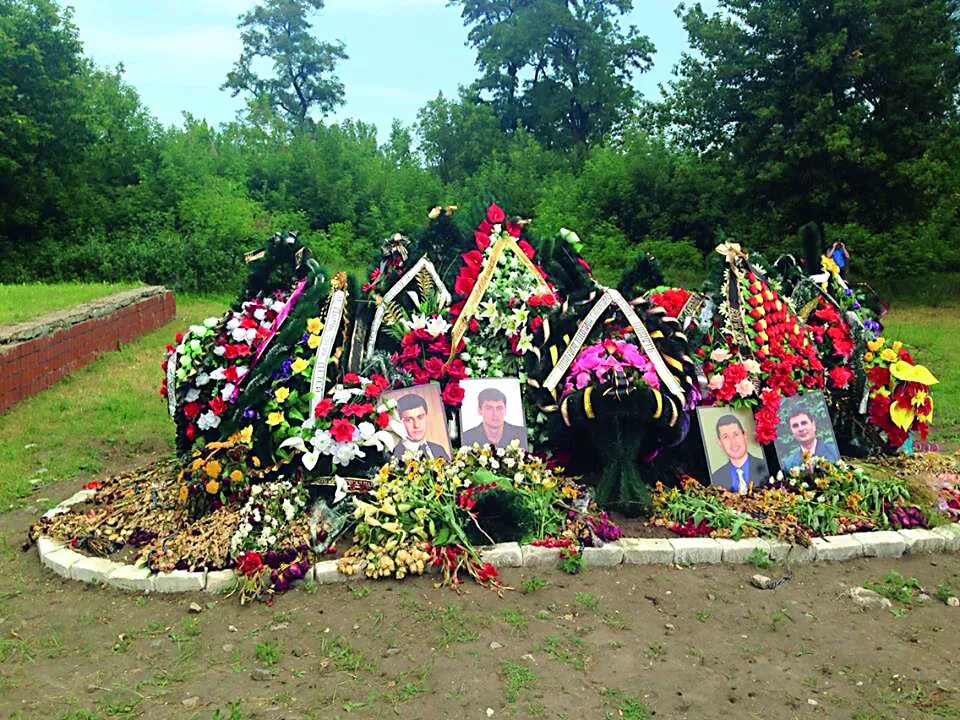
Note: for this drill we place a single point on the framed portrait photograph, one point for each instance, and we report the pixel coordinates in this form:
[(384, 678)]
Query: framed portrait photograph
[(492, 412), (424, 422), (805, 427), (734, 457)]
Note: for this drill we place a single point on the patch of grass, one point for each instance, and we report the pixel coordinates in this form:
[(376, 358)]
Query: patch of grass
[(234, 712), (703, 615), (895, 587), (282, 616), (567, 650), (571, 560), (14, 649), (778, 618), (360, 591), (99, 418), (454, 627), (516, 677), (31, 300), (944, 592), (515, 619), (344, 657), (656, 652), (625, 706), (760, 559), (267, 652), (532, 584), (587, 600)]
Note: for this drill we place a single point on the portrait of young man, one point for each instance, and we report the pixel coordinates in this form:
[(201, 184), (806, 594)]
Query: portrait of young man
[(492, 412), (734, 457), (424, 422), (805, 430)]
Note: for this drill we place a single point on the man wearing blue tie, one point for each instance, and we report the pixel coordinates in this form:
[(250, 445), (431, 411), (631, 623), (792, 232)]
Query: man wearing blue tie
[(742, 470)]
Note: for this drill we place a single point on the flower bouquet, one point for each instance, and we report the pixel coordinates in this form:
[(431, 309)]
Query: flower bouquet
[(899, 392)]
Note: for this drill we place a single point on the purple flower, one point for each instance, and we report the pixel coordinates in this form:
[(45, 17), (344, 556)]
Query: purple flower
[(856, 305), (847, 291), (250, 414)]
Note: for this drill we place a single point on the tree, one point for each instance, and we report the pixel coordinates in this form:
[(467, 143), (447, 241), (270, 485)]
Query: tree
[(560, 68), (820, 107), (302, 79), (456, 136)]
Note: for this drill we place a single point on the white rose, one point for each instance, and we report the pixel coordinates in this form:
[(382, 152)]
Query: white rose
[(720, 354)]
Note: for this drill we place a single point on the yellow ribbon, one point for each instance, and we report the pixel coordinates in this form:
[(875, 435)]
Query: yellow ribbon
[(470, 307)]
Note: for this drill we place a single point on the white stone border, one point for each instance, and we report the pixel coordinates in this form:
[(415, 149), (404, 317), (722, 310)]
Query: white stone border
[(68, 563)]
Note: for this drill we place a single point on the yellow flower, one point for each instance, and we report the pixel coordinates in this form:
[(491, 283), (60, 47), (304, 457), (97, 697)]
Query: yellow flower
[(299, 365), (212, 487), (196, 464), (236, 476), (212, 468), (875, 344), (184, 493), (281, 394), (275, 418), (897, 346), (868, 356), (314, 325), (246, 435), (888, 355), (255, 460), (313, 342), (829, 265)]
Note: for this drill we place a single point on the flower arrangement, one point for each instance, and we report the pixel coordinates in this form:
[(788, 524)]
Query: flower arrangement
[(267, 516), (514, 304), (672, 300), (425, 356), (213, 358), (351, 417), (217, 473), (430, 513), (834, 341), (608, 362), (899, 391)]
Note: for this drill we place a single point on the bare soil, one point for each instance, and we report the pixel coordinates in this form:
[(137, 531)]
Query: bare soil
[(632, 642)]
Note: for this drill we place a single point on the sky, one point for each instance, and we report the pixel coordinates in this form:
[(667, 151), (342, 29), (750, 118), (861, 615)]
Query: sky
[(177, 53)]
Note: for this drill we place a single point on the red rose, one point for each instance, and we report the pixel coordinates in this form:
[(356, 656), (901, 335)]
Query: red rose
[(453, 394), (217, 406), (879, 376), (840, 376), (231, 374), (342, 430), (179, 338), (372, 390), (495, 214), (482, 240), (383, 419), (474, 325), (420, 376), (351, 378), (457, 307), (422, 335), (190, 432), (192, 409), (410, 352), (485, 227), (526, 248), (323, 408), (456, 370), (440, 346), (473, 259), (434, 368), (380, 381), (514, 229), (464, 284), (250, 563), (536, 322)]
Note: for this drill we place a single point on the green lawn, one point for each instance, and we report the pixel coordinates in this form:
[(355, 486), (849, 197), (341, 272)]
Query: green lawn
[(23, 302), (102, 417)]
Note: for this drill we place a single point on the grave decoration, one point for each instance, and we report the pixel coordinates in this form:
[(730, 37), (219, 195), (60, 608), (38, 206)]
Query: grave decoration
[(285, 429)]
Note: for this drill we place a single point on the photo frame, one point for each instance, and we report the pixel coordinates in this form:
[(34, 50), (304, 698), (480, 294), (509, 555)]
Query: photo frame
[(424, 420), (492, 412), (805, 425), (735, 459)]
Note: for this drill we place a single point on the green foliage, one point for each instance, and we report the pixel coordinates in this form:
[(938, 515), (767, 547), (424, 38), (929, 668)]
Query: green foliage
[(896, 587), (516, 677), (571, 560), (759, 559), (559, 69), (279, 30)]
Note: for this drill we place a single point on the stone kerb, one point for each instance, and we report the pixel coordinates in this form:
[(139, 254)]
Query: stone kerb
[(37, 353), (68, 563)]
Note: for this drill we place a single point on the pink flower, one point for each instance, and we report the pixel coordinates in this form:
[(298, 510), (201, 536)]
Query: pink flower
[(745, 388), (716, 382), (720, 354)]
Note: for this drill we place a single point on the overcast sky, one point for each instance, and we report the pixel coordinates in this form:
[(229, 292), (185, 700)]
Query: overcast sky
[(401, 52)]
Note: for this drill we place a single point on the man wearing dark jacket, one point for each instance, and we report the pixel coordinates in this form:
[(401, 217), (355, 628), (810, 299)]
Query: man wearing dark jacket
[(493, 430)]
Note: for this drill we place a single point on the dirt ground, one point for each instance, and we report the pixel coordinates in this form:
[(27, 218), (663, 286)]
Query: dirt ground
[(634, 642)]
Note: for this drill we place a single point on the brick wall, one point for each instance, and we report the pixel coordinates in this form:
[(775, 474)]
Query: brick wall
[(35, 355)]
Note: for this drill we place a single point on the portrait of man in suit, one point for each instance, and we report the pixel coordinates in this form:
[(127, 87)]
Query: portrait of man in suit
[(414, 413), (734, 458), (492, 407), (806, 437)]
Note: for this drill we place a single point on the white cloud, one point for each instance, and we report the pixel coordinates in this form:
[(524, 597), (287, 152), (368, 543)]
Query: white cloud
[(381, 7)]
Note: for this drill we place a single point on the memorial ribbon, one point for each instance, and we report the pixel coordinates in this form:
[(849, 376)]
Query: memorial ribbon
[(608, 298), (172, 383), (470, 307), (331, 326), (397, 288)]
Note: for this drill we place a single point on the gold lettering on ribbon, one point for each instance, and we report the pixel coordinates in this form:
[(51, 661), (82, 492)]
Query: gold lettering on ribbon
[(397, 288), (331, 326), (611, 296), (470, 307)]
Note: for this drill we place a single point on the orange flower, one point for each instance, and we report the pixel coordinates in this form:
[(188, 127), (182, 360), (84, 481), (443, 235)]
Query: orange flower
[(236, 476), (212, 486), (184, 493), (212, 468)]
